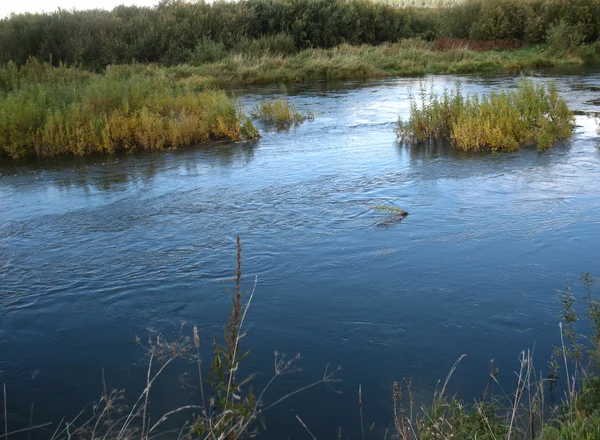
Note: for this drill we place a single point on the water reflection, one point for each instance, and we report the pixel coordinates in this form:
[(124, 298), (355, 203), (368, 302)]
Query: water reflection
[(116, 172)]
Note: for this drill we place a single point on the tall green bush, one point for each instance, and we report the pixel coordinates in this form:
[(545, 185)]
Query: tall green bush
[(564, 38)]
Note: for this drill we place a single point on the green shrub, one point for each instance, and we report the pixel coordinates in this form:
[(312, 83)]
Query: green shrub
[(208, 51), (564, 38), (276, 44), (531, 115), (175, 32)]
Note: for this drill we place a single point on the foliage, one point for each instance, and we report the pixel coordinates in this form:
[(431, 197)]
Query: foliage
[(531, 115), (47, 110), (390, 209), (527, 20), (176, 31), (564, 38), (279, 44), (280, 113), (208, 51), (233, 405)]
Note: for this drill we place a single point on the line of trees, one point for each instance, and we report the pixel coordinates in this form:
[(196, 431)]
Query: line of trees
[(177, 31)]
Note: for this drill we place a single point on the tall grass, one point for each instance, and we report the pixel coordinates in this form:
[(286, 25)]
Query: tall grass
[(280, 113), (411, 57), (47, 110), (533, 114)]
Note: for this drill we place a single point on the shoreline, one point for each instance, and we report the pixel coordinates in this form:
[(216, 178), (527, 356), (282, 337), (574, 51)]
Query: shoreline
[(410, 58)]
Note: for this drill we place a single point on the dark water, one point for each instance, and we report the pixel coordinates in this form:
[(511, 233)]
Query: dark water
[(93, 251)]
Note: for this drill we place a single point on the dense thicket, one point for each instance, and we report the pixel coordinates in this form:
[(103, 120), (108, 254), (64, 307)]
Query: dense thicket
[(176, 31)]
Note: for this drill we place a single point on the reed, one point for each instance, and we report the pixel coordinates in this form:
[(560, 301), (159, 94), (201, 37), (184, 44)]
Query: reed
[(390, 210), (533, 114)]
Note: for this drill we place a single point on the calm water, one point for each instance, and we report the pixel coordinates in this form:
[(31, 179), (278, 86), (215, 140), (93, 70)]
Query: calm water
[(93, 251)]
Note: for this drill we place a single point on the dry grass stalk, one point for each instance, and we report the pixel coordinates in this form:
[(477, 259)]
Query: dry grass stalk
[(5, 414), (305, 427)]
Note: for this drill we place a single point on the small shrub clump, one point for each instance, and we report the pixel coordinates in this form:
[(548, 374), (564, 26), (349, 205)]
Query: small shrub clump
[(533, 114), (279, 113)]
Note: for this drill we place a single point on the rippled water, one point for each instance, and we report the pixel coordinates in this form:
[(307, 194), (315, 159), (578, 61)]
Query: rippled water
[(93, 251)]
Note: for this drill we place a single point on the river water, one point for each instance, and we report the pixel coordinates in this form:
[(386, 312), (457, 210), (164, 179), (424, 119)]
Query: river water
[(95, 250)]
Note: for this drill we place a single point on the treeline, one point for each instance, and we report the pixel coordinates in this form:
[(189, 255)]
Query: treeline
[(176, 31)]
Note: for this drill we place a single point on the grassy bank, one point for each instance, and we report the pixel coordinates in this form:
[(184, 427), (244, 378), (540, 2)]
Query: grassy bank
[(47, 110), (279, 113), (406, 58), (535, 409)]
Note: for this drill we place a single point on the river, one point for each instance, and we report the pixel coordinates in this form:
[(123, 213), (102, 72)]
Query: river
[(93, 251)]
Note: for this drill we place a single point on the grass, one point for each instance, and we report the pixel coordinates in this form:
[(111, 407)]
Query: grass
[(406, 58), (422, 3), (533, 114), (280, 113), (47, 110)]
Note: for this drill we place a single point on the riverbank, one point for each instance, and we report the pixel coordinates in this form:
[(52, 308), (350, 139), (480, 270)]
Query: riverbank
[(406, 58), (173, 33)]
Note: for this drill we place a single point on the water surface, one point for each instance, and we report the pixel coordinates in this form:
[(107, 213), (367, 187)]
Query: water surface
[(95, 250)]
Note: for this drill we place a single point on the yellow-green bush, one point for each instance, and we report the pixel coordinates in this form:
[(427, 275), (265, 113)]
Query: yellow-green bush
[(46, 110), (533, 114), (279, 113)]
